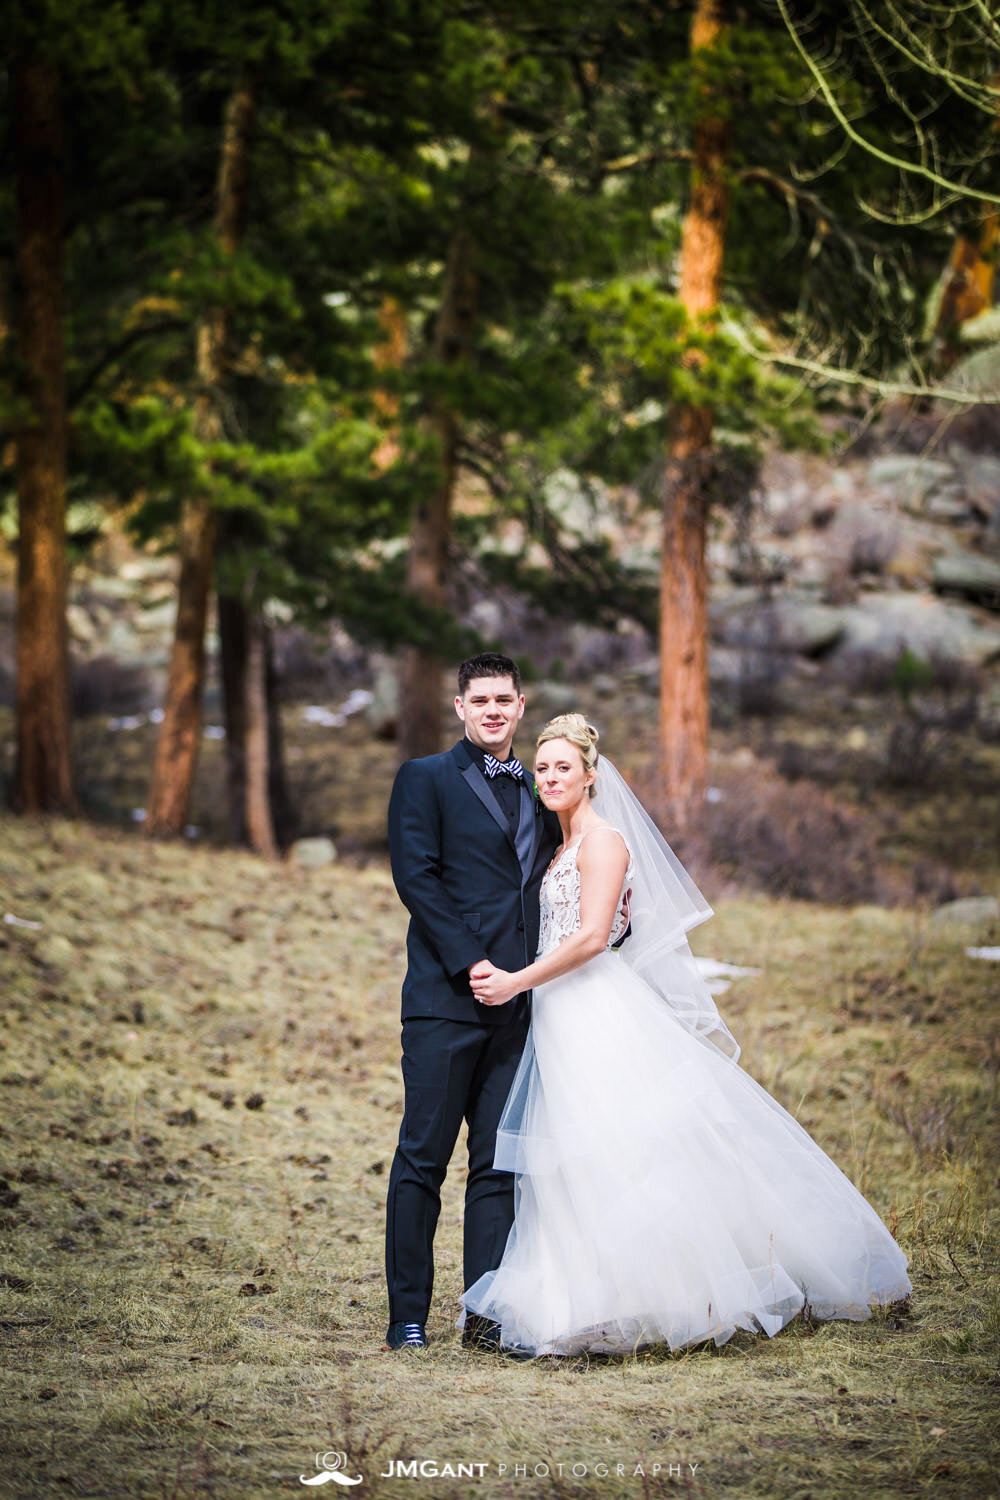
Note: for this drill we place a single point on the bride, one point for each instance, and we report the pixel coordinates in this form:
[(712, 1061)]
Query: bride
[(662, 1195)]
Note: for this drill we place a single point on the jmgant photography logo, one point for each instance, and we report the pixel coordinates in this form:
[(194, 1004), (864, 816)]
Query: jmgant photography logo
[(331, 1468)]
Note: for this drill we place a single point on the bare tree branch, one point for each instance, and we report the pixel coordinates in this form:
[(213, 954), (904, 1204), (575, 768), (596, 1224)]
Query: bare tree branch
[(912, 168), (646, 159), (824, 219), (915, 49), (844, 375)]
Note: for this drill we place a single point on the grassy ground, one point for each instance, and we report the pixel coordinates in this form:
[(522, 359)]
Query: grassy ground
[(199, 1096)]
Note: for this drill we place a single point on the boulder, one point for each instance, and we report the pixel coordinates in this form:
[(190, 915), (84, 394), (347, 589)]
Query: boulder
[(881, 625), (156, 618), (792, 622), (555, 697), (383, 710), (950, 507), (725, 667), (312, 853), (971, 911), (807, 628), (645, 674), (981, 484), (590, 649), (55, 951), (144, 569), (910, 478), (82, 629), (969, 574)]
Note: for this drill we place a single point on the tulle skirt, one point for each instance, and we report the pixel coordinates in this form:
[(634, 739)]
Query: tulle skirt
[(662, 1195)]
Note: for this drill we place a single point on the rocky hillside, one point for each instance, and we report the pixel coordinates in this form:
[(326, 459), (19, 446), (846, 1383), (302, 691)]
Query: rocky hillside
[(861, 561), (855, 673), (846, 563)]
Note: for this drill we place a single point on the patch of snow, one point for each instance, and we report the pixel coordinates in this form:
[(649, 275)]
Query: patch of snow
[(719, 976)]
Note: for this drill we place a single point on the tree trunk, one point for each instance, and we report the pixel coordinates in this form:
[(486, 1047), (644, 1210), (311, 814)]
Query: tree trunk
[(970, 278), (260, 826), (232, 658), (261, 782), (390, 352), (683, 739), (683, 726), (235, 630), (282, 814), (430, 532), (180, 733), (44, 776)]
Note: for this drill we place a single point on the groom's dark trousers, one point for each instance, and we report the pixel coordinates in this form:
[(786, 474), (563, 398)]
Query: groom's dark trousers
[(467, 864)]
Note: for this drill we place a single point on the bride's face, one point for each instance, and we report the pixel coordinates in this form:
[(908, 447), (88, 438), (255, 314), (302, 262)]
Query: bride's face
[(560, 776)]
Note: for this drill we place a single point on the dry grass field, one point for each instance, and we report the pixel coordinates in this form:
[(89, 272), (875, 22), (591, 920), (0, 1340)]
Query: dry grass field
[(199, 1096)]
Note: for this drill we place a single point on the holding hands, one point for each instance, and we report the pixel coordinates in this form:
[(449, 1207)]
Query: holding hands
[(492, 986), (602, 861)]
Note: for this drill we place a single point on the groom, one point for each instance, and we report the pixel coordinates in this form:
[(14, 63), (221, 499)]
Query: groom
[(469, 844)]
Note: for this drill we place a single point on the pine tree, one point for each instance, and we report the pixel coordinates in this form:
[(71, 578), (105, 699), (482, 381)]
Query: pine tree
[(684, 710), (43, 778), (180, 731)]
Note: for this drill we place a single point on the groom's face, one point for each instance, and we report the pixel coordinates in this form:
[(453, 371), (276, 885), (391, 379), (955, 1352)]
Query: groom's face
[(491, 710)]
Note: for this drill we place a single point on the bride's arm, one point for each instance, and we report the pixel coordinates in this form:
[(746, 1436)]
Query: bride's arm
[(602, 860)]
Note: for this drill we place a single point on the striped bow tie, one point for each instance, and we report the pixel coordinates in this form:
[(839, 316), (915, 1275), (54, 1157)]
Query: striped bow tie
[(512, 767)]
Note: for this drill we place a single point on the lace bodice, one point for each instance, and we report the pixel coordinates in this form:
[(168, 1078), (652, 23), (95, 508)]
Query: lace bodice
[(560, 901)]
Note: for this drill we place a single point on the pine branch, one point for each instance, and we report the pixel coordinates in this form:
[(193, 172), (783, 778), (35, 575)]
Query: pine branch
[(112, 355)]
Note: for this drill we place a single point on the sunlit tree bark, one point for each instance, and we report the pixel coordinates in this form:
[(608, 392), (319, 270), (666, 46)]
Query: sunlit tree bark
[(683, 722), (971, 276), (390, 353)]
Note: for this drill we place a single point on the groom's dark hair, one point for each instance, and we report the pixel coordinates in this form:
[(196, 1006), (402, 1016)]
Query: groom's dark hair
[(488, 664)]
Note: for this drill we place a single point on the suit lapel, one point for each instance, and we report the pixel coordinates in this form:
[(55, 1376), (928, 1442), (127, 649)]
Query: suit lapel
[(474, 778), (529, 831), (529, 828)]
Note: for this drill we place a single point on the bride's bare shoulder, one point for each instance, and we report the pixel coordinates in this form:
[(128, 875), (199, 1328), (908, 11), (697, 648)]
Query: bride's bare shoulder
[(603, 840)]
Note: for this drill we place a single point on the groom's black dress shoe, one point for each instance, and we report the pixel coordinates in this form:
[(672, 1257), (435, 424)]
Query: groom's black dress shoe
[(483, 1335), (406, 1336)]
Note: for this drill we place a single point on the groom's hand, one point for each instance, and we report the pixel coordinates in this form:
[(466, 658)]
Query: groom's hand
[(490, 985)]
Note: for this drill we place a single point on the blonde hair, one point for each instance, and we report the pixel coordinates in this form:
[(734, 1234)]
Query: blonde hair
[(575, 729)]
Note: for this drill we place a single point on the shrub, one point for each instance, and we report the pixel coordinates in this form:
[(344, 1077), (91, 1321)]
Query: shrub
[(794, 840)]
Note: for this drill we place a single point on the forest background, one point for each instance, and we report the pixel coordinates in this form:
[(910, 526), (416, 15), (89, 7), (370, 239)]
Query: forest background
[(373, 335)]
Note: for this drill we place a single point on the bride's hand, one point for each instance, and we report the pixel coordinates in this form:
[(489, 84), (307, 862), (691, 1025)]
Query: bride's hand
[(490, 985)]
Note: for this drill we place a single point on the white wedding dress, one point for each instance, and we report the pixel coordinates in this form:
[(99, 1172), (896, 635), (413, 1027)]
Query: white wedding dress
[(662, 1195)]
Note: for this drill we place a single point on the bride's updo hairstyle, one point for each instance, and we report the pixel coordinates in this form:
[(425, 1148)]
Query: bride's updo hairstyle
[(584, 736)]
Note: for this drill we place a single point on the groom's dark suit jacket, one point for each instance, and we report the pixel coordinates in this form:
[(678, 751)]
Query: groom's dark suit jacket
[(469, 883)]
